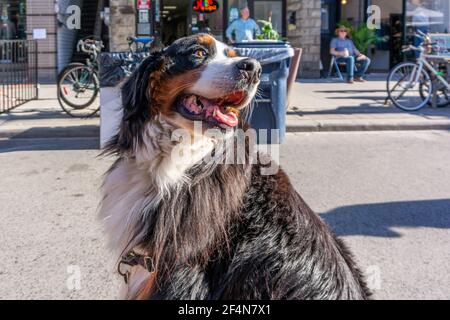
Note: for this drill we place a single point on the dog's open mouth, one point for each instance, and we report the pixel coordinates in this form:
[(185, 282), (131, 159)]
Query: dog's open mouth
[(221, 112)]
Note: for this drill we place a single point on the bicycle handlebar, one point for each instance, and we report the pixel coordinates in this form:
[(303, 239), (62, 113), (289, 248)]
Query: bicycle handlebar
[(411, 48), (90, 46)]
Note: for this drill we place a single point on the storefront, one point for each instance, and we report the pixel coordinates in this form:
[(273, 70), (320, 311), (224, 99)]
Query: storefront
[(173, 19), (12, 19), (399, 21)]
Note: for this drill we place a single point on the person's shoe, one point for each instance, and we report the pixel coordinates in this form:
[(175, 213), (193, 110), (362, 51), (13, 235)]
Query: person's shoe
[(350, 81), (359, 79)]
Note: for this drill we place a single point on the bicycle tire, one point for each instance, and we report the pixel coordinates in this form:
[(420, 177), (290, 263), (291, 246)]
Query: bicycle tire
[(70, 111), (425, 100), (93, 77), (442, 104), (69, 66)]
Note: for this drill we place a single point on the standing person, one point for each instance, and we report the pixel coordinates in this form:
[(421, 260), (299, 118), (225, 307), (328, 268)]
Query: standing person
[(244, 28), (420, 20), (345, 51)]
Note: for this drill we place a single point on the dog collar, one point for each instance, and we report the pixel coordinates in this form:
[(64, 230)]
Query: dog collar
[(133, 259)]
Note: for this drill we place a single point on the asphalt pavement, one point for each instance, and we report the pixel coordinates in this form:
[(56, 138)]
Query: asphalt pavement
[(386, 193)]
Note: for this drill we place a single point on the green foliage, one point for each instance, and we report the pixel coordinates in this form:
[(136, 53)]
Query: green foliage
[(267, 31), (362, 37)]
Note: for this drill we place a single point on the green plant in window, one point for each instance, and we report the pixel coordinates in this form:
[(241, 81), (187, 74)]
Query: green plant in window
[(267, 31), (363, 37)]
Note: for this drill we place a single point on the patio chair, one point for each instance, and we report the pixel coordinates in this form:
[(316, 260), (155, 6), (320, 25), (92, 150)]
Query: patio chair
[(336, 65)]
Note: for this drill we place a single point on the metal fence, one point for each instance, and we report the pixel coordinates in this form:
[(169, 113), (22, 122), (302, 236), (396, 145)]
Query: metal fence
[(18, 73)]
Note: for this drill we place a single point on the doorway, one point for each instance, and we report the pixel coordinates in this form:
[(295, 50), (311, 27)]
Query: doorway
[(329, 16), (174, 20), (12, 19)]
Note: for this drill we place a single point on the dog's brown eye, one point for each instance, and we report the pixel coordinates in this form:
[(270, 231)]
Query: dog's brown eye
[(200, 53)]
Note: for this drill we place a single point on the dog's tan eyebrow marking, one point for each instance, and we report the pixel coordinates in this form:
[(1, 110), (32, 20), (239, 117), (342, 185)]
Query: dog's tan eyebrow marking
[(206, 39), (230, 53)]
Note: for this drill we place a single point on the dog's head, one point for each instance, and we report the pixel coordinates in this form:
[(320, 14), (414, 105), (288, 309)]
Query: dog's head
[(197, 78)]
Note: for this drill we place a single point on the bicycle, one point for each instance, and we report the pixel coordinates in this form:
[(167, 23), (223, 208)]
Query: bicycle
[(78, 83), (413, 85)]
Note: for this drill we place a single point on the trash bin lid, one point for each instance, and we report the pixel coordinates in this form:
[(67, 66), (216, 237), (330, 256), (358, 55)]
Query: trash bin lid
[(262, 43), (265, 51)]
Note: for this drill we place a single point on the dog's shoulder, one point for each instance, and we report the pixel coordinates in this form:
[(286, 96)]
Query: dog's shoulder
[(286, 248)]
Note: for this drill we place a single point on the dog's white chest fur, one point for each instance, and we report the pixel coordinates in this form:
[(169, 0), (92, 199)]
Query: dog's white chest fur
[(135, 186)]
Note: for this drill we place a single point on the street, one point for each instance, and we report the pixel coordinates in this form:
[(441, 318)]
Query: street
[(386, 193)]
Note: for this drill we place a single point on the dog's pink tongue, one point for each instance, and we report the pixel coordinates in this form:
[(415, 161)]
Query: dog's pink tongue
[(213, 110), (229, 118)]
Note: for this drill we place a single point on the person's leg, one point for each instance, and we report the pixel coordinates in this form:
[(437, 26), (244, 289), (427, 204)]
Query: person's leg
[(350, 66), (364, 65)]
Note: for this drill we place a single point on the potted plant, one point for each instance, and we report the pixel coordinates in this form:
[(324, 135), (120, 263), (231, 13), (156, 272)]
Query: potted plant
[(267, 31), (363, 37)]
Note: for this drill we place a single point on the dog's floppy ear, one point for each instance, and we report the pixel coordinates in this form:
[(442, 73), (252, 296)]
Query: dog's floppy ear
[(136, 105), (135, 96)]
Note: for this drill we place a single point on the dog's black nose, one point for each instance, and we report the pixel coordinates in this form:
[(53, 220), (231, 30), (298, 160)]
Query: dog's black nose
[(251, 67)]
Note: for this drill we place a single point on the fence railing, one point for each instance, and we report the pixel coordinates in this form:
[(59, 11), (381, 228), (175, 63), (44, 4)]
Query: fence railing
[(18, 73)]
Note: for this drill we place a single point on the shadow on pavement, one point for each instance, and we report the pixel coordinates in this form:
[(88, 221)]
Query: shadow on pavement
[(378, 219), (79, 131), (34, 114), (13, 145)]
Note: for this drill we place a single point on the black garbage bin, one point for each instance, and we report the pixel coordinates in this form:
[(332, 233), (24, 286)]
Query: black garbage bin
[(269, 107)]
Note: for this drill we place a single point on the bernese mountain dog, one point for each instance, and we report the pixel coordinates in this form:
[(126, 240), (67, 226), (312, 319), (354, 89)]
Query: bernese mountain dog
[(201, 228)]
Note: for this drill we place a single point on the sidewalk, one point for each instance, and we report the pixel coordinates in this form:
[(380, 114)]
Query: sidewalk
[(316, 105), (323, 105), (44, 118)]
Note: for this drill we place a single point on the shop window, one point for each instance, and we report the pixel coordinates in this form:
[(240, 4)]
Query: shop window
[(428, 15), (270, 11), (210, 22), (12, 19)]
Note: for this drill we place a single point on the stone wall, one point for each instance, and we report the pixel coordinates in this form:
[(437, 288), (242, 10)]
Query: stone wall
[(306, 34), (122, 24), (41, 15)]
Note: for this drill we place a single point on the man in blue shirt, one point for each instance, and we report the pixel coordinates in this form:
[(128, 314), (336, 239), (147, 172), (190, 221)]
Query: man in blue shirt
[(244, 28), (345, 51)]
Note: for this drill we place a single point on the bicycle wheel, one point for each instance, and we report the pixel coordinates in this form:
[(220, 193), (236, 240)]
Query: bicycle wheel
[(78, 86), (406, 93), (443, 96), (69, 66)]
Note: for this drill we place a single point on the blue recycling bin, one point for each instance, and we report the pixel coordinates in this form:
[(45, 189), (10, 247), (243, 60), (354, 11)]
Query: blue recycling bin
[(268, 109)]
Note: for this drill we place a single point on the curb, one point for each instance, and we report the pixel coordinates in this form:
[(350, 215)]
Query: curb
[(342, 126)]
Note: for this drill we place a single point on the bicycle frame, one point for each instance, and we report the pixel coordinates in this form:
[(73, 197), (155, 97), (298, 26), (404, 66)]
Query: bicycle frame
[(420, 63)]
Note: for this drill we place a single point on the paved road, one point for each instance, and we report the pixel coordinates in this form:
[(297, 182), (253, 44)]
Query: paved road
[(386, 193)]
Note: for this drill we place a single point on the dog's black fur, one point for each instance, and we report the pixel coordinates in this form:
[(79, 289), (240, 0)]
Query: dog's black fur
[(230, 232)]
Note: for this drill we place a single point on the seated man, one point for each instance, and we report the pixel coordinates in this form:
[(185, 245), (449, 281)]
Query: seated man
[(345, 51)]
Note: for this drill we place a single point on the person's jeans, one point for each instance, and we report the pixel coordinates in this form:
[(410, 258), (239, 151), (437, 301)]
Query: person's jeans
[(350, 66)]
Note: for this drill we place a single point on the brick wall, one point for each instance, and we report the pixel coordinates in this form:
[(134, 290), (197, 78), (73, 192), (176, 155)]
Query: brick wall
[(41, 15), (122, 24), (306, 34)]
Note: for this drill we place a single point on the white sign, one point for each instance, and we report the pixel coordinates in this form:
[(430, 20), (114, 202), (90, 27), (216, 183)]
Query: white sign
[(143, 16), (39, 34)]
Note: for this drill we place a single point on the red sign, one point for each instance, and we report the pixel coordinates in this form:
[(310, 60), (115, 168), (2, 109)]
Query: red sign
[(205, 6), (143, 4)]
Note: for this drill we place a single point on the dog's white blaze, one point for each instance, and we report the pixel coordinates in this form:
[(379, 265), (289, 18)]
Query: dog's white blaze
[(217, 72)]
